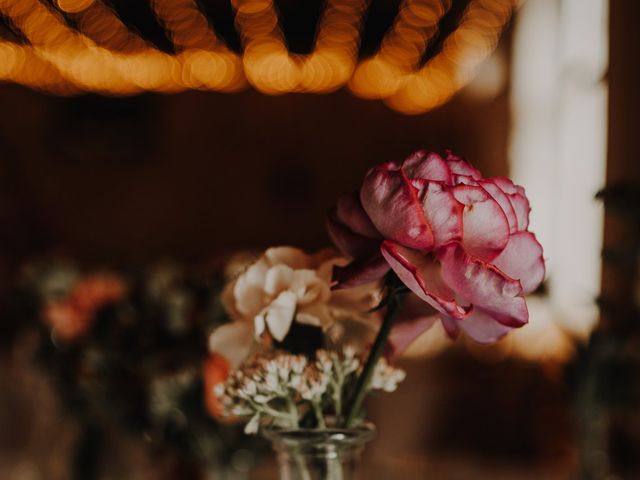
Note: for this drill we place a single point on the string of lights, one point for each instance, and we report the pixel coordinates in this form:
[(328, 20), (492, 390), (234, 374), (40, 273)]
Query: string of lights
[(270, 67), (456, 64), (207, 63), (101, 54), (100, 24), (401, 51)]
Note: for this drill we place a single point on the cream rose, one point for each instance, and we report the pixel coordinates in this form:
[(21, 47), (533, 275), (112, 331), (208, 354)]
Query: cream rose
[(286, 285)]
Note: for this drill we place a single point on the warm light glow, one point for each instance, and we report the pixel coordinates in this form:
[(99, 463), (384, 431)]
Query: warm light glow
[(73, 6), (462, 53), (401, 49), (205, 62), (11, 59), (270, 67), (101, 24), (103, 55), (558, 145)]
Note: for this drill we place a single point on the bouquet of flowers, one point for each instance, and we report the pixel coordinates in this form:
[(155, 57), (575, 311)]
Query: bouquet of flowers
[(273, 358), (312, 336), (291, 343)]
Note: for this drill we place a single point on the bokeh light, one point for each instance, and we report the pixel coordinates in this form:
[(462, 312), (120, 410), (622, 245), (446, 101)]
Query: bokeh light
[(103, 55)]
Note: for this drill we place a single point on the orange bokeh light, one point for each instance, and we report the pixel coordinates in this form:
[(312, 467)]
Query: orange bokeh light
[(105, 56)]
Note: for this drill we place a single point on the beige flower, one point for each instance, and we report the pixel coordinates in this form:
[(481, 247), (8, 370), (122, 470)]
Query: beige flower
[(286, 285)]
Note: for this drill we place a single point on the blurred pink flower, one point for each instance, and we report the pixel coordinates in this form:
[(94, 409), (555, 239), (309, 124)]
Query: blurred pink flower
[(458, 241)]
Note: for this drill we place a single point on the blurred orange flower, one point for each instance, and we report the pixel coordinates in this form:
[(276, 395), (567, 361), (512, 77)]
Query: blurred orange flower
[(216, 370), (72, 316)]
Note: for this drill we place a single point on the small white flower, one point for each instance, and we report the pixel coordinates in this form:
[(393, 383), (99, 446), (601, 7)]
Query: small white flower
[(298, 364), (219, 390), (349, 351), (253, 425), (314, 384), (386, 377), (271, 382), (261, 398), (324, 361), (278, 381), (250, 388)]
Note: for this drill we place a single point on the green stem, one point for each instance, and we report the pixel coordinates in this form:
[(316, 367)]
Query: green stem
[(317, 410), (274, 413), (293, 410), (337, 399), (302, 468), (362, 386)]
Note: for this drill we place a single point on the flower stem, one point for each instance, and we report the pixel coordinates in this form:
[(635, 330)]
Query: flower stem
[(317, 410), (294, 413), (362, 386)]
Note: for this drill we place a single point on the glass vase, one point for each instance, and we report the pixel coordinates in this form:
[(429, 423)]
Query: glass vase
[(310, 454)]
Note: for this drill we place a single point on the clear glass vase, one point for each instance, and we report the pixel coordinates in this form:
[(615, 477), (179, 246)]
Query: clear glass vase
[(310, 454)]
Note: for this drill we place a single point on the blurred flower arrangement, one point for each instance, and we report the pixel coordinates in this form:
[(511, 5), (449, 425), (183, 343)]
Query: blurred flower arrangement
[(128, 350)]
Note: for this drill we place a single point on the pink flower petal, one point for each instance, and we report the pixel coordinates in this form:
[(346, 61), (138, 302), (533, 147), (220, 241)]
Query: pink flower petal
[(483, 285), (392, 204), (348, 242), (350, 213), (460, 166), (450, 326), (518, 199), (485, 226), (503, 200), (522, 208), (522, 260), (414, 318), (421, 274), (360, 271), (482, 328), (428, 166), (443, 212), (464, 180), (405, 332)]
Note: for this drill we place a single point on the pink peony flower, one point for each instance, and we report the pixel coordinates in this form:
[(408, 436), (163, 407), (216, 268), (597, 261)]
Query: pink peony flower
[(458, 241)]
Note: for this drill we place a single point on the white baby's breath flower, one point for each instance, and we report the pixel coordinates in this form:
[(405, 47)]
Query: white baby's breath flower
[(324, 361), (298, 364), (261, 398), (271, 382), (253, 425), (386, 377), (280, 388), (349, 351), (219, 390), (314, 385)]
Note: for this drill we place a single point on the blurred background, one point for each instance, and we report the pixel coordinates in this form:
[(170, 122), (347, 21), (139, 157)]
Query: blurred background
[(155, 138)]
